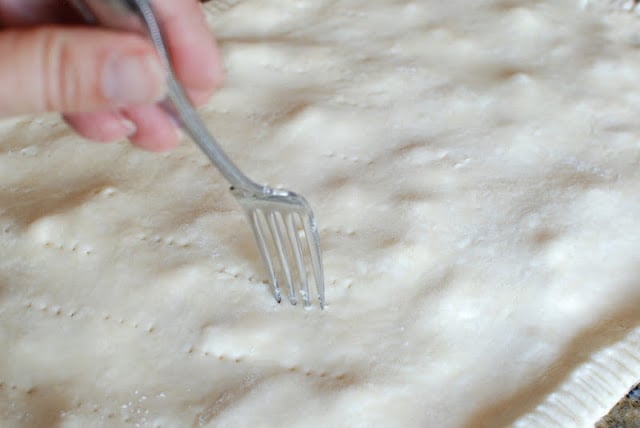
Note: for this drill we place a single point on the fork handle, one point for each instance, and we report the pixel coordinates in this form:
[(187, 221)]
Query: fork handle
[(138, 16)]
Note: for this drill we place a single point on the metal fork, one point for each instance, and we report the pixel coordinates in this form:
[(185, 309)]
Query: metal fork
[(281, 220)]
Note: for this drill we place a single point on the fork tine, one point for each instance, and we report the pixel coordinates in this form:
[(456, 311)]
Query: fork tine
[(284, 257), (256, 225), (313, 243), (294, 239)]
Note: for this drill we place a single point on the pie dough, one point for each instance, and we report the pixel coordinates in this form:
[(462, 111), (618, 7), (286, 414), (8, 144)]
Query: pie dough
[(474, 170)]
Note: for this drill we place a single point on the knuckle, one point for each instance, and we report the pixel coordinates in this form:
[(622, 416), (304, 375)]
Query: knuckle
[(59, 83)]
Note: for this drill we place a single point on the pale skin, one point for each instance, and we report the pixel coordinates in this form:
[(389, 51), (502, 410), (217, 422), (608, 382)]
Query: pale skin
[(104, 83)]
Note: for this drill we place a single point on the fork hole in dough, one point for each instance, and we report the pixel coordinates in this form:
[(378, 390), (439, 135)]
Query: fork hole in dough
[(109, 192)]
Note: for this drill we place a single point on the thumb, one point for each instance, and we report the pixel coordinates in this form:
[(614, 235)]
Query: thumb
[(76, 70)]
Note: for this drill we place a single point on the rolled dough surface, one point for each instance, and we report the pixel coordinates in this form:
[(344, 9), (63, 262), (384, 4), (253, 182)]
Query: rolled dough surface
[(474, 170)]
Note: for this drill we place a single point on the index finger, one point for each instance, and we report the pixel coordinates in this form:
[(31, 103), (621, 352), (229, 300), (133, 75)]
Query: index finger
[(192, 46)]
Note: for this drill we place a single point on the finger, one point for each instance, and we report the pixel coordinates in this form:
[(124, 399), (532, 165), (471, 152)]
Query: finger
[(199, 98), (76, 69), (192, 47), (155, 131), (105, 127)]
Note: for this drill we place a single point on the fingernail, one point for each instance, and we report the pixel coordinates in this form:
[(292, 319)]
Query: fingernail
[(131, 80), (131, 127), (176, 127), (179, 134)]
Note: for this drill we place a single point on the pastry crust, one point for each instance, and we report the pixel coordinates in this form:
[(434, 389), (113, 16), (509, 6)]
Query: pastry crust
[(473, 167)]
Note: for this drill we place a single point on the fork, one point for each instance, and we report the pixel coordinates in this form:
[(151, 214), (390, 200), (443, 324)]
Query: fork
[(282, 221)]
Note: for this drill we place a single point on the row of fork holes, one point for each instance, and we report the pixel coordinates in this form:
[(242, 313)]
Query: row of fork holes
[(291, 369), (59, 311), (109, 413)]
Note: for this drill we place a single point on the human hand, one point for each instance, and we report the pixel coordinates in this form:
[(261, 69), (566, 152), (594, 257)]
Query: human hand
[(105, 83)]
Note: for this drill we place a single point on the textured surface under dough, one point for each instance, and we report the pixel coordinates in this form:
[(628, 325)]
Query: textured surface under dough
[(474, 170), (625, 414)]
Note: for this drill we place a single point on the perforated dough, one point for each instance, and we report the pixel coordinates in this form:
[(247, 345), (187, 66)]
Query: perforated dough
[(474, 170)]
